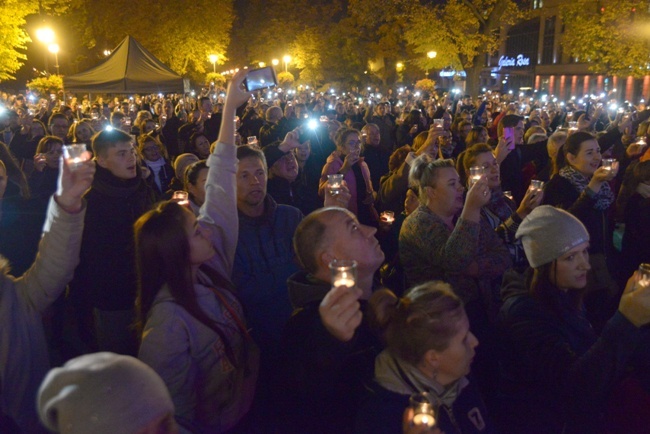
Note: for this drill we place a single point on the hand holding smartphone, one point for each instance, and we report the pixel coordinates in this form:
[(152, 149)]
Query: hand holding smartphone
[(261, 78)]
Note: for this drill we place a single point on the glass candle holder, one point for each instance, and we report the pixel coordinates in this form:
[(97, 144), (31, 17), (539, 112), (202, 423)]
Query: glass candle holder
[(573, 126), (334, 183), (475, 174), (537, 185), (608, 163), (439, 123), (387, 217), (423, 411), (181, 197), (252, 141), (75, 155), (344, 273), (509, 195), (641, 142)]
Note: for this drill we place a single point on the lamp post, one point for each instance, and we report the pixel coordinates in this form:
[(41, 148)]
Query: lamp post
[(213, 59), (46, 36), (54, 49), (286, 59)]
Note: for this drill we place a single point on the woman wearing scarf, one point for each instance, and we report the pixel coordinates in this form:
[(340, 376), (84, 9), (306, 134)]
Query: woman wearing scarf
[(153, 156), (501, 212), (582, 187), (429, 349)]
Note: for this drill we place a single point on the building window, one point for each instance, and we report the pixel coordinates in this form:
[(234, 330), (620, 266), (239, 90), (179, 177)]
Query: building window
[(549, 41), (538, 4)]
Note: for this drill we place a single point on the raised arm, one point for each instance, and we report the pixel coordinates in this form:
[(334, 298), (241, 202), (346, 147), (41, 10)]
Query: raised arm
[(219, 211), (58, 251)]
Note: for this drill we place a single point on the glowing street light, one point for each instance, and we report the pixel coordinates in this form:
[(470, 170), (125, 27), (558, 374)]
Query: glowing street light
[(45, 35), (432, 54), (213, 59), (286, 59), (275, 62), (261, 64), (399, 66), (54, 49)]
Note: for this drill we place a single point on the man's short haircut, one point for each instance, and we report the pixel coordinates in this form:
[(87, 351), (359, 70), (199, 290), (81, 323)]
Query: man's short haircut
[(309, 237), (508, 121), (116, 117), (247, 152), (202, 99), (108, 138), (56, 116)]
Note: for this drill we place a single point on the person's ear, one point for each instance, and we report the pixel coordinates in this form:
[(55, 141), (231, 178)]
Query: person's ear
[(101, 161), (431, 360), (571, 158), (324, 259)]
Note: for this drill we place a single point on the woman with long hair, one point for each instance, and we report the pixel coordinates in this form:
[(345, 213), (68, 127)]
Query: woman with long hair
[(195, 179), (43, 180), (155, 158), (557, 372), (581, 187), (192, 324)]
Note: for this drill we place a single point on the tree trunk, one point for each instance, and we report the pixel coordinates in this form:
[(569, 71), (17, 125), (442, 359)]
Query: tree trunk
[(473, 80)]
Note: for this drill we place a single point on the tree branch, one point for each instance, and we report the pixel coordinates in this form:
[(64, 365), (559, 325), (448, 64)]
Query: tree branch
[(475, 11)]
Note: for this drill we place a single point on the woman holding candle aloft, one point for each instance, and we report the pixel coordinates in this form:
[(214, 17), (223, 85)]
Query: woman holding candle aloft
[(557, 372), (501, 212), (582, 187), (347, 162), (193, 330), (429, 348)]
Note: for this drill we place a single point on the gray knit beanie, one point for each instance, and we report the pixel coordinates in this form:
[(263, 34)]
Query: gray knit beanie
[(102, 393), (548, 233)]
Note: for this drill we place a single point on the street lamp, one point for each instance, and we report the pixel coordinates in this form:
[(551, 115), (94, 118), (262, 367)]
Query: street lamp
[(54, 49), (46, 36), (262, 64), (275, 62), (399, 66), (213, 59), (286, 59)]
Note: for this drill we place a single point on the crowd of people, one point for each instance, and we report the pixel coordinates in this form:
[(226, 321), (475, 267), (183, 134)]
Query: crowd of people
[(180, 277)]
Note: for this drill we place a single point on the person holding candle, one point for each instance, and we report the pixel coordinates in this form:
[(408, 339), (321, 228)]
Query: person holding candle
[(346, 161), (557, 371), (582, 187), (199, 145), (181, 163), (24, 359), (327, 347), (429, 348), (501, 212)]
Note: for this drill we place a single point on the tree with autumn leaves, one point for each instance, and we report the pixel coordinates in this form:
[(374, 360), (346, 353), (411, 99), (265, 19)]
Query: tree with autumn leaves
[(612, 36)]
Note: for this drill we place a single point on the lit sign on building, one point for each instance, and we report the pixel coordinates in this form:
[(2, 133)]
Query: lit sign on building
[(520, 60), (452, 73)]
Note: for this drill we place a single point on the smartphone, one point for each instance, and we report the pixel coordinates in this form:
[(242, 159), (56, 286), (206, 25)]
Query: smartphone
[(509, 137), (261, 78)]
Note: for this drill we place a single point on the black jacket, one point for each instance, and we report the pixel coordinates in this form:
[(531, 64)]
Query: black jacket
[(322, 377), (106, 269), (555, 370)]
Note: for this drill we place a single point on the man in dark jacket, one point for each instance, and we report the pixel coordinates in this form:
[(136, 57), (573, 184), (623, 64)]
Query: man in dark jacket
[(328, 348), (170, 126), (105, 278)]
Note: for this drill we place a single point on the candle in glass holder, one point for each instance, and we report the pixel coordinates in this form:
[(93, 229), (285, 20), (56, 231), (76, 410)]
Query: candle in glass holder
[(475, 174), (573, 126), (334, 183), (537, 185), (181, 197), (387, 217), (423, 411), (439, 123), (608, 163), (75, 155), (344, 273), (509, 195), (641, 142)]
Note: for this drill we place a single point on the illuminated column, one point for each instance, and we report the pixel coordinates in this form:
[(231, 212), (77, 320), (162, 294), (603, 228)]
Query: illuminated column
[(574, 85), (646, 87), (551, 85), (599, 84), (562, 90), (629, 88), (537, 80), (585, 86)]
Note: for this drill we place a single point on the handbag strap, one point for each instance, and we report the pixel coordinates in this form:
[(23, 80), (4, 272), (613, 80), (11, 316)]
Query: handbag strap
[(240, 324)]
